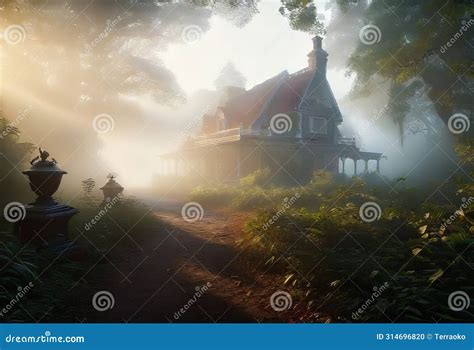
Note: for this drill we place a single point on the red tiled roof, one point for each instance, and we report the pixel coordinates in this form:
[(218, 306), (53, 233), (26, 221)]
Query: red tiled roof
[(285, 90), (290, 93), (245, 108)]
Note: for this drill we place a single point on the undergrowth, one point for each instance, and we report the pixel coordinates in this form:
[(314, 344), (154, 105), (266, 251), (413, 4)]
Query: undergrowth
[(417, 245)]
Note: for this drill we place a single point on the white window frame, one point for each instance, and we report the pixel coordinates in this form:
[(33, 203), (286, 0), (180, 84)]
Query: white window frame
[(322, 129)]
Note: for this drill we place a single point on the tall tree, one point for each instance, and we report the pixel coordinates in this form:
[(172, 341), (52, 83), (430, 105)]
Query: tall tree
[(431, 40)]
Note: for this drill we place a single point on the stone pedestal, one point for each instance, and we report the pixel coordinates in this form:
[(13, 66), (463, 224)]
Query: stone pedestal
[(46, 226), (46, 221)]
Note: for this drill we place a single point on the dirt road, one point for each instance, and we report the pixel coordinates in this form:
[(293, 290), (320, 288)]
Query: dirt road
[(183, 271)]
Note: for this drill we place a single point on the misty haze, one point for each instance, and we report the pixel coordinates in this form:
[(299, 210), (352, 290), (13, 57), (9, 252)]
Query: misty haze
[(236, 161)]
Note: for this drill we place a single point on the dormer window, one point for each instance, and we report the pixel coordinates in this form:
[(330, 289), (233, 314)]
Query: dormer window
[(318, 125)]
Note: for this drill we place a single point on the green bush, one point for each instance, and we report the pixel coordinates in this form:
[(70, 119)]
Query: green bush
[(257, 178), (330, 252)]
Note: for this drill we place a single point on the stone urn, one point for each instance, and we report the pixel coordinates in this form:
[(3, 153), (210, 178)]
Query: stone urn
[(112, 189), (45, 177), (46, 221)]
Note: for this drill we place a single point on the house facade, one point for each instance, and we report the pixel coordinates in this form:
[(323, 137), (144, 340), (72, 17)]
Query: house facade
[(287, 124)]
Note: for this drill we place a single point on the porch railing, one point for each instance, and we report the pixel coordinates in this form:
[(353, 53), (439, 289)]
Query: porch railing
[(348, 141), (235, 134)]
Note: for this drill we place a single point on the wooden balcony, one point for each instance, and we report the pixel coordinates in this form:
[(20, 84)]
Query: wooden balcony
[(216, 138), (236, 134), (224, 136)]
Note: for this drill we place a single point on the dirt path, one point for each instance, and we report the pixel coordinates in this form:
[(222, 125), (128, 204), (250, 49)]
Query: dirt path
[(167, 265)]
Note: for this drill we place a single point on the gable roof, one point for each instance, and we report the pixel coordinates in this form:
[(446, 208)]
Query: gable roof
[(282, 93), (279, 94), (246, 108), (290, 93)]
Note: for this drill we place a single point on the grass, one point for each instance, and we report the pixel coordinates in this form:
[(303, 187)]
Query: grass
[(336, 261), (48, 277), (99, 225), (62, 287)]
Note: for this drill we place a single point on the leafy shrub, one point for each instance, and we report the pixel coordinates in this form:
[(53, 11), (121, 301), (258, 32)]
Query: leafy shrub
[(59, 290), (220, 195), (257, 178), (49, 284), (334, 255)]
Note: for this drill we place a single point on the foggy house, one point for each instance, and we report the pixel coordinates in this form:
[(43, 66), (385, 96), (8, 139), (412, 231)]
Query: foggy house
[(287, 124)]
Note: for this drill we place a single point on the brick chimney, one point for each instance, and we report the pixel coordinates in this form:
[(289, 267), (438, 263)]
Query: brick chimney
[(318, 58)]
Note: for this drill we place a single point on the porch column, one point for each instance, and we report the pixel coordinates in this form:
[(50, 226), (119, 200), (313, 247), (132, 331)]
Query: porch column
[(366, 165), (343, 159), (378, 165), (355, 166)]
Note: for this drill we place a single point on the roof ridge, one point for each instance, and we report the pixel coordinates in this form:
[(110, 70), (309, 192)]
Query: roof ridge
[(284, 72), (271, 95), (301, 71)]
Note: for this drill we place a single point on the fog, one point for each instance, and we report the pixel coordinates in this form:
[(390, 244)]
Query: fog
[(153, 81)]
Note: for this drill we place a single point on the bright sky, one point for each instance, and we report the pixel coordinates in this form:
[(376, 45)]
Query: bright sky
[(263, 48)]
